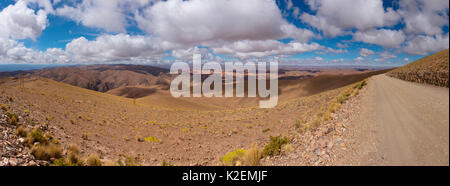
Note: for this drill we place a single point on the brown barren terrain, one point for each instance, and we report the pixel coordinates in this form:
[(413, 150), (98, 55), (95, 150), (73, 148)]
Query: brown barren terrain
[(158, 128)]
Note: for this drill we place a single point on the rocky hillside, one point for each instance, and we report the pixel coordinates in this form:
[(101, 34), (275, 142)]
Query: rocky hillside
[(433, 69), (13, 148)]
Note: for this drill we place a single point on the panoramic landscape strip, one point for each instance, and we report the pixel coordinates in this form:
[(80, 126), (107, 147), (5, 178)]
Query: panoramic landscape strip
[(224, 91)]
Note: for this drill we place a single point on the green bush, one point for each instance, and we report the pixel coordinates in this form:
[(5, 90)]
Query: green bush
[(13, 118), (36, 135), (274, 146)]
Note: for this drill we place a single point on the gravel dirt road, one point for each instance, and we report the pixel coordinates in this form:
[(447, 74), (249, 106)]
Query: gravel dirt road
[(407, 123)]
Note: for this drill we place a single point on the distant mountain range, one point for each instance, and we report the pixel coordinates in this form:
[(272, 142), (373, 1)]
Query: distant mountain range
[(102, 78)]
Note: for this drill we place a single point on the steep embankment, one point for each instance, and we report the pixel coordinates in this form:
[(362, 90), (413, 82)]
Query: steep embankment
[(432, 70)]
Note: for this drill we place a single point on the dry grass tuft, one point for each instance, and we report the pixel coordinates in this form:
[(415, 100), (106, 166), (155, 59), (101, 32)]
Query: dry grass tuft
[(13, 119), (74, 159), (93, 160), (253, 156), (73, 156), (128, 161), (74, 149), (47, 152), (21, 131)]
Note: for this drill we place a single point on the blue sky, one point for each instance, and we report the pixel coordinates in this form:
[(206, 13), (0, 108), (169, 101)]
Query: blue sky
[(298, 32)]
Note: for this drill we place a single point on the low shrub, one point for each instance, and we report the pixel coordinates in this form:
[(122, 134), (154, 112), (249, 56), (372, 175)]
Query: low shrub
[(36, 135), (12, 118), (274, 146), (234, 157)]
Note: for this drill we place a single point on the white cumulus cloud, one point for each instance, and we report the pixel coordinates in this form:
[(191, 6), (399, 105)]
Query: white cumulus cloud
[(120, 47), (366, 52), (335, 18), (248, 48), (383, 37), (424, 16), (423, 45), (210, 22), (110, 15), (20, 22)]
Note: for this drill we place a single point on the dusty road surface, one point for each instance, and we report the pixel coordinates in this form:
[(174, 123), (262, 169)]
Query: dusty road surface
[(407, 123)]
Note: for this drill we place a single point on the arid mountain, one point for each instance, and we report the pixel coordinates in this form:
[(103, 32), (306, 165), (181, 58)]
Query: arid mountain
[(432, 69), (137, 81), (103, 78)]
